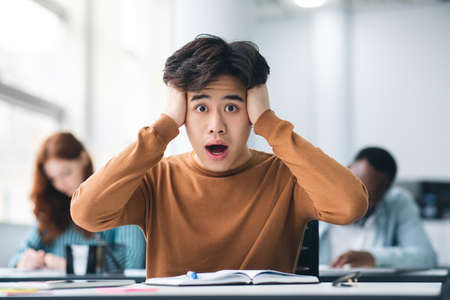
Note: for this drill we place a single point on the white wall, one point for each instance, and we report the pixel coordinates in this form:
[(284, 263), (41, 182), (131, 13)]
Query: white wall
[(393, 90), (308, 55), (285, 43), (401, 86), (131, 40)]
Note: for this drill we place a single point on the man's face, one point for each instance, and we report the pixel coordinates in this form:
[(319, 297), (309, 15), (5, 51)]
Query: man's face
[(217, 124), (376, 182)]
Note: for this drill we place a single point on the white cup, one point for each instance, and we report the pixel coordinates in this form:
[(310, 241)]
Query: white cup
[(80, 255)]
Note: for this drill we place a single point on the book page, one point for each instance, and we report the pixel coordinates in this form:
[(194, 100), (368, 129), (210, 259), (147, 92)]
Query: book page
[(279, 277), (234, 277), (271, 276), (220, 277)]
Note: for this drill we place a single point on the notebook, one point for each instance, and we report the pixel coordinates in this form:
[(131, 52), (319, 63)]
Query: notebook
[(64, 284), (234, 277)]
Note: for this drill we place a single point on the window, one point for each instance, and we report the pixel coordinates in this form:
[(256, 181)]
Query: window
[(38, 86), (20, 134), (31, 48)]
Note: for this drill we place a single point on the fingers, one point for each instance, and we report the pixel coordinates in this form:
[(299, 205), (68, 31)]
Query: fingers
[(257, 102), (31, 260), (341, 260), (54, 262), (175, 106), (354, 259)]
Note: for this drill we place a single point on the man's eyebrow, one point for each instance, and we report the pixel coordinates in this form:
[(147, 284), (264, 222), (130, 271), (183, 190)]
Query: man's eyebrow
[(233, 97), (200, 96)]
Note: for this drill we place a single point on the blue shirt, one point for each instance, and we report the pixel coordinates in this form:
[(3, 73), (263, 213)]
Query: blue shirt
[(399, 241), (129, 235)]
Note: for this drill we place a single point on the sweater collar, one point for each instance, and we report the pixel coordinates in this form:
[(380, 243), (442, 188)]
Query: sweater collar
[(194, 165)]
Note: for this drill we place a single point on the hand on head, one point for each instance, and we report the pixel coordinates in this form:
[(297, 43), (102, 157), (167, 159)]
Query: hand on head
[(354, 259), (176, 104), (257, 102)]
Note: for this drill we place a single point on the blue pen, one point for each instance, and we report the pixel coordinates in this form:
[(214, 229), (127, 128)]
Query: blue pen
[(191, 275)]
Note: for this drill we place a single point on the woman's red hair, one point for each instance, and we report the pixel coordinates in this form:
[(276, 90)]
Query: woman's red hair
[(51, 207)]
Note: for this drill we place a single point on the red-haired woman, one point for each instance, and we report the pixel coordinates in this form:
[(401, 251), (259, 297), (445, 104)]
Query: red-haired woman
[(62, 165)]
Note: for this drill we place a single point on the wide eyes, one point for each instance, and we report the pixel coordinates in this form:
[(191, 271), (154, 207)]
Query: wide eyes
[(228, 108), (201, 108), (231, 108)]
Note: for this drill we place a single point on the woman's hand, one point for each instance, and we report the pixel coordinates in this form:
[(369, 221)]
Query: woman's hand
[(54, 262), (31, 260)]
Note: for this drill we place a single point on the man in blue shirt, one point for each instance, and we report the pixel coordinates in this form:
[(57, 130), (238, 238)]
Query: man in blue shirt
[(390, 234)]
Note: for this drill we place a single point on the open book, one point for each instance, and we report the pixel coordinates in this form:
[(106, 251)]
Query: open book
[(65, 284), (234, 277)]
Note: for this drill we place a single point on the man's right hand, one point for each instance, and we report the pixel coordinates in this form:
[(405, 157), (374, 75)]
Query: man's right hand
[(31, 260), (176, 104)]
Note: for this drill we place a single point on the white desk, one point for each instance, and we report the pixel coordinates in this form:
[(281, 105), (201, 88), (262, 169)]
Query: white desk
[(388, 290), (12, 274), (386, 274), (16, 273), (383, 271)]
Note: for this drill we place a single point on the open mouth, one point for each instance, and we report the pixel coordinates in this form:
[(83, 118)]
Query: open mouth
[(217, 151)]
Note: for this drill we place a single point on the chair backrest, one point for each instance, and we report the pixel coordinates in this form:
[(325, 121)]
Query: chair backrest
[(308, 261), (11, 236)]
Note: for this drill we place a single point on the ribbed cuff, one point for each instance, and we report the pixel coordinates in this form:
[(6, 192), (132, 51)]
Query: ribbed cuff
[(164, 128), (266, 121)]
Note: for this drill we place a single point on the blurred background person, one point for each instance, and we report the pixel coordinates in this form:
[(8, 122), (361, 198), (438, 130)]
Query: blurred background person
[(390, 234), (61, 166)]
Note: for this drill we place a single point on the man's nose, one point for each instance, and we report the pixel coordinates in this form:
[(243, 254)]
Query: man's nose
[(216, 123)]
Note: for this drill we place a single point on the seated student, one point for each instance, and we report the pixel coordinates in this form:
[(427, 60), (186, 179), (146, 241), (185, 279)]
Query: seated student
[(390, 234), (223, 205), (62, 164)]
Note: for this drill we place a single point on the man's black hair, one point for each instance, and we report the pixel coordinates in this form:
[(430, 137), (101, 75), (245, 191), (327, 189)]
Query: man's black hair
[(200, 61), (380, 159)]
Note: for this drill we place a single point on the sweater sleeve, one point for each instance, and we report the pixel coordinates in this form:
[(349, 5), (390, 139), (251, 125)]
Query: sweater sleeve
[(120, 193), (328, 191)]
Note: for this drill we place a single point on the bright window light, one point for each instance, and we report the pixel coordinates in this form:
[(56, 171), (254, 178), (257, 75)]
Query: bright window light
[(32, 46), (309, 3)]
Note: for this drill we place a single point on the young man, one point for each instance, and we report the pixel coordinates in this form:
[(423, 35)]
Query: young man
[(390, 234), (221, 206)]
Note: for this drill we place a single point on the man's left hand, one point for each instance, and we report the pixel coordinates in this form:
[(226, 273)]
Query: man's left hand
[(257, 102), (354, 259)]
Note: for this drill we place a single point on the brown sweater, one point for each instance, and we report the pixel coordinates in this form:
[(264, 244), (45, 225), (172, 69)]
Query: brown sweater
[(252, 217)]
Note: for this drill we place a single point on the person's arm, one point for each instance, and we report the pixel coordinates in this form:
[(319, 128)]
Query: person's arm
[(119, 193), (30, 255), (331, 192), (413, 249)]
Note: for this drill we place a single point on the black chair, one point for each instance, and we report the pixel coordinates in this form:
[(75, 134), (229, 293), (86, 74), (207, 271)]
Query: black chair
[(308, 261)]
